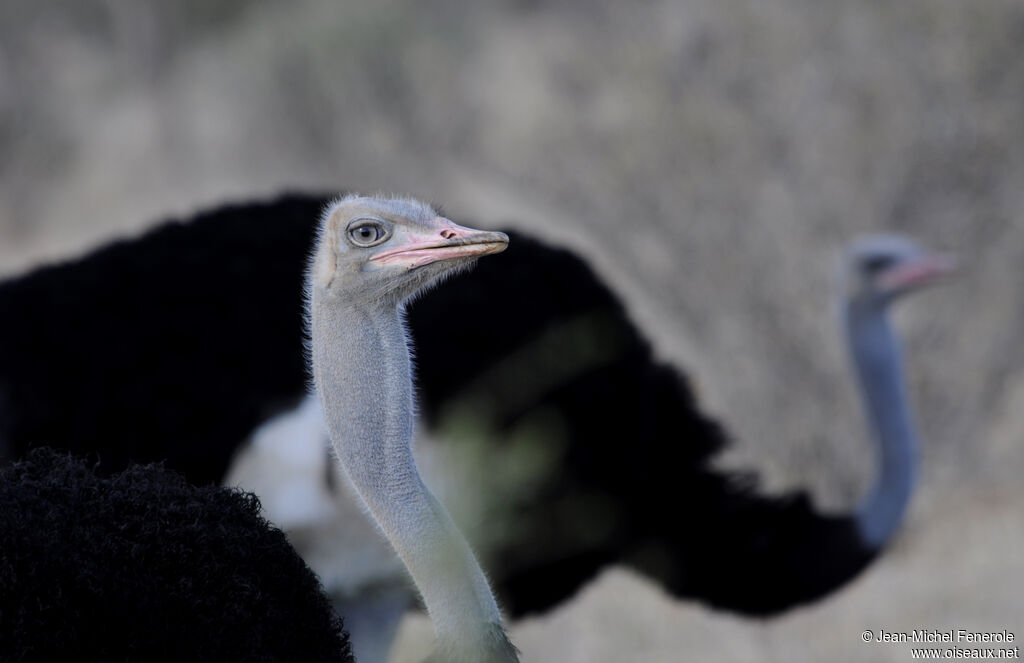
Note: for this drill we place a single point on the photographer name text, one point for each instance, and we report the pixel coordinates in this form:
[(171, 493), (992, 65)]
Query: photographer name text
[(935, 635)]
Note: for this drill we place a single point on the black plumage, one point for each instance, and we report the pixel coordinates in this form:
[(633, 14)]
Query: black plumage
[(140, 565), (191, 336)]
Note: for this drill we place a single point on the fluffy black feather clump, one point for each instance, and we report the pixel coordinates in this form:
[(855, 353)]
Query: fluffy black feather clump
[(143, 566)]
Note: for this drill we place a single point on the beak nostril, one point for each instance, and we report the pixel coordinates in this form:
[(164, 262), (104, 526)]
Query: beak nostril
[(448, 234)]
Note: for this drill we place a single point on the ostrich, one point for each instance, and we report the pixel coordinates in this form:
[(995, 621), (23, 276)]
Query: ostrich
[(881, 269), (143, 566), (129, 535), (373, 255), (534, 311)]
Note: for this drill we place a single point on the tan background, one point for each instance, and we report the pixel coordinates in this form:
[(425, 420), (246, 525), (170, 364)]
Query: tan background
[(710, 158)]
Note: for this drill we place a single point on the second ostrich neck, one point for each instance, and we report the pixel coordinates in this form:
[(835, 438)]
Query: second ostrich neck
[(364, 374), (877, 359)]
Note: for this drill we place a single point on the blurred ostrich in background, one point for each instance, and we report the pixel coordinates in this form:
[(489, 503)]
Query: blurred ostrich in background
[(193, 334)]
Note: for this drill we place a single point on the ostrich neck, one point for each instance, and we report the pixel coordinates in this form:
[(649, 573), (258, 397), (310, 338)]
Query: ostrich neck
[(363, 374), (877, 359)]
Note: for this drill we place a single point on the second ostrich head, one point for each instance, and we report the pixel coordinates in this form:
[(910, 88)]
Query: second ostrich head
[(879, 270), (882, 268)]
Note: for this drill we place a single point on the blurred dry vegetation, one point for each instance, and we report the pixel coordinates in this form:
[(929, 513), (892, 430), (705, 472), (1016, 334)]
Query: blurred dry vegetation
[(709, 157)]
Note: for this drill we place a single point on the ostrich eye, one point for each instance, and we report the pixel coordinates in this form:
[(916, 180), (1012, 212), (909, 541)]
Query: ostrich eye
[(875, 264), (365, 232)]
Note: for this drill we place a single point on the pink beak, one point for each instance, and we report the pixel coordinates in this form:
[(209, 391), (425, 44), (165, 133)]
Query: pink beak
[(918, 272), (448, 241)]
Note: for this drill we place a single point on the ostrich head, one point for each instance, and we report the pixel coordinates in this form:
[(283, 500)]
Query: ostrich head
[(372, 255), (882, 268), (378, 249)]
